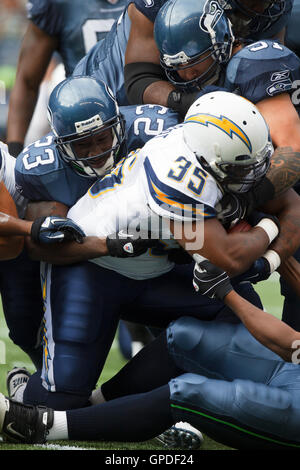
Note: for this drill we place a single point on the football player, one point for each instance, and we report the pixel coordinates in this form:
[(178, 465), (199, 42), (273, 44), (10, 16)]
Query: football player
[(49, 171), (264, 72), (184, 186), (68, 27), (131, 44), (222, 383), (145, 81)]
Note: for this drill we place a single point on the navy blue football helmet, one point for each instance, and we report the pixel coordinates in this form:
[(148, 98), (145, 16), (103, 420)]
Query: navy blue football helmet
[(187, 33), (81, 107), (246, 20)]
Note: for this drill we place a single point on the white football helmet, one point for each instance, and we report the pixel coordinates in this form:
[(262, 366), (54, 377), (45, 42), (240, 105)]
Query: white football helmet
[(230, 138)]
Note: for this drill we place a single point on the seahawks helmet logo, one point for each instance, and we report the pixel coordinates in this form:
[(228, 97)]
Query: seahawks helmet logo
[(210, 16)]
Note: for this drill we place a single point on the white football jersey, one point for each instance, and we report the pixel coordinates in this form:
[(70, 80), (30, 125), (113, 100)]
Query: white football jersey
[(7, 175), (161, 182)]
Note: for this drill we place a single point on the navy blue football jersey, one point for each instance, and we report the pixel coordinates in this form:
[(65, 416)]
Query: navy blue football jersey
[(77, 24), (42, 175), (292, 39), (261, 70), (105, 61)]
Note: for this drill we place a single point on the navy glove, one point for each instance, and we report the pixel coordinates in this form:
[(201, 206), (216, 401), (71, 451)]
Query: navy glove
[(54, 229), (231, 209), (181, 101), (211, 281), (260, 270), (124, 244)]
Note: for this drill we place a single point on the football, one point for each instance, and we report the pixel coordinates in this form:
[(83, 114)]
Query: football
[(242, 226)]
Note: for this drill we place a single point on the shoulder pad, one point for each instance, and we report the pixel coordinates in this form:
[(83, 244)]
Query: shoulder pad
[(262, 69)]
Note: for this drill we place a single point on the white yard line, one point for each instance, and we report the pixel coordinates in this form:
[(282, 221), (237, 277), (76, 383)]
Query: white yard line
[(60, 447)]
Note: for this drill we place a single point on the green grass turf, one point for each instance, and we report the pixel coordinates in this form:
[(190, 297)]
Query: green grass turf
[(11, 356)]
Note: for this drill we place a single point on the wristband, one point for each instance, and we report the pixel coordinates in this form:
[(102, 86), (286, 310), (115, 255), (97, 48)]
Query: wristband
[(15, 148), (269, 227), (273, 259)]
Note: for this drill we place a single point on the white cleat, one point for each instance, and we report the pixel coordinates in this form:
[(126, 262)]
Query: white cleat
[(16, 378), (181, 435)]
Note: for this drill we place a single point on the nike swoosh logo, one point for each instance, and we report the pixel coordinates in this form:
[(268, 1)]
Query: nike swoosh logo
[(12, 431)]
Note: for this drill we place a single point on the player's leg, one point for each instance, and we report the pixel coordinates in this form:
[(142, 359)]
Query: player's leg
[(214, 349), (172, 296), (242, 414), (81, 317), (22, 304)]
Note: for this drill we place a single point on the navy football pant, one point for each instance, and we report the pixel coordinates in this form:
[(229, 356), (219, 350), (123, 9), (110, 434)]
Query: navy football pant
[(83, 305)]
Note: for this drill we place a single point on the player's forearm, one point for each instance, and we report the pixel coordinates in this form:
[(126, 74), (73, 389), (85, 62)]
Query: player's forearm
[(288, 240), (21, 107), (284, 170), (157, 93), (267, 329), (10, 225), (290, 271), (69, 252)]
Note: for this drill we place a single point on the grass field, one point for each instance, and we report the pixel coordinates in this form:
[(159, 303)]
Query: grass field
[(11, 356)]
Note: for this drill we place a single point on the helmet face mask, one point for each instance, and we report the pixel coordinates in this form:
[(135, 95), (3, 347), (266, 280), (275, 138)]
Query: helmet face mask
[(189, 33), (80, 111), (230, 139), (89, 165), (251, 14)]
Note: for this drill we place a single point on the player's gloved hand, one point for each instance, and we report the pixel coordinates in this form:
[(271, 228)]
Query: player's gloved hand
[(179, 256), (211, 281), (125, 244), (54, 229), (260, 270), (181, 101), (231, 209)]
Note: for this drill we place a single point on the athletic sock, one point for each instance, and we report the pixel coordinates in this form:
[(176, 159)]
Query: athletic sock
[(59, 430), (141, 373)]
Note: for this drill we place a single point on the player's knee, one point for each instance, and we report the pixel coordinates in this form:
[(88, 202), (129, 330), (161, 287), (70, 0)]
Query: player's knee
[(183, 335)]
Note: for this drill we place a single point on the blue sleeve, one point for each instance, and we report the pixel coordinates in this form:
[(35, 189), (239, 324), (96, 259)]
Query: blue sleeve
[(262, 70), (36, 169), (45, 14), (149, 8), (146, 121)]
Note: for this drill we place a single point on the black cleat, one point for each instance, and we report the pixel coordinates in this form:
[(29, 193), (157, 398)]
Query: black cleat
[(24, 423), (182, 436)]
